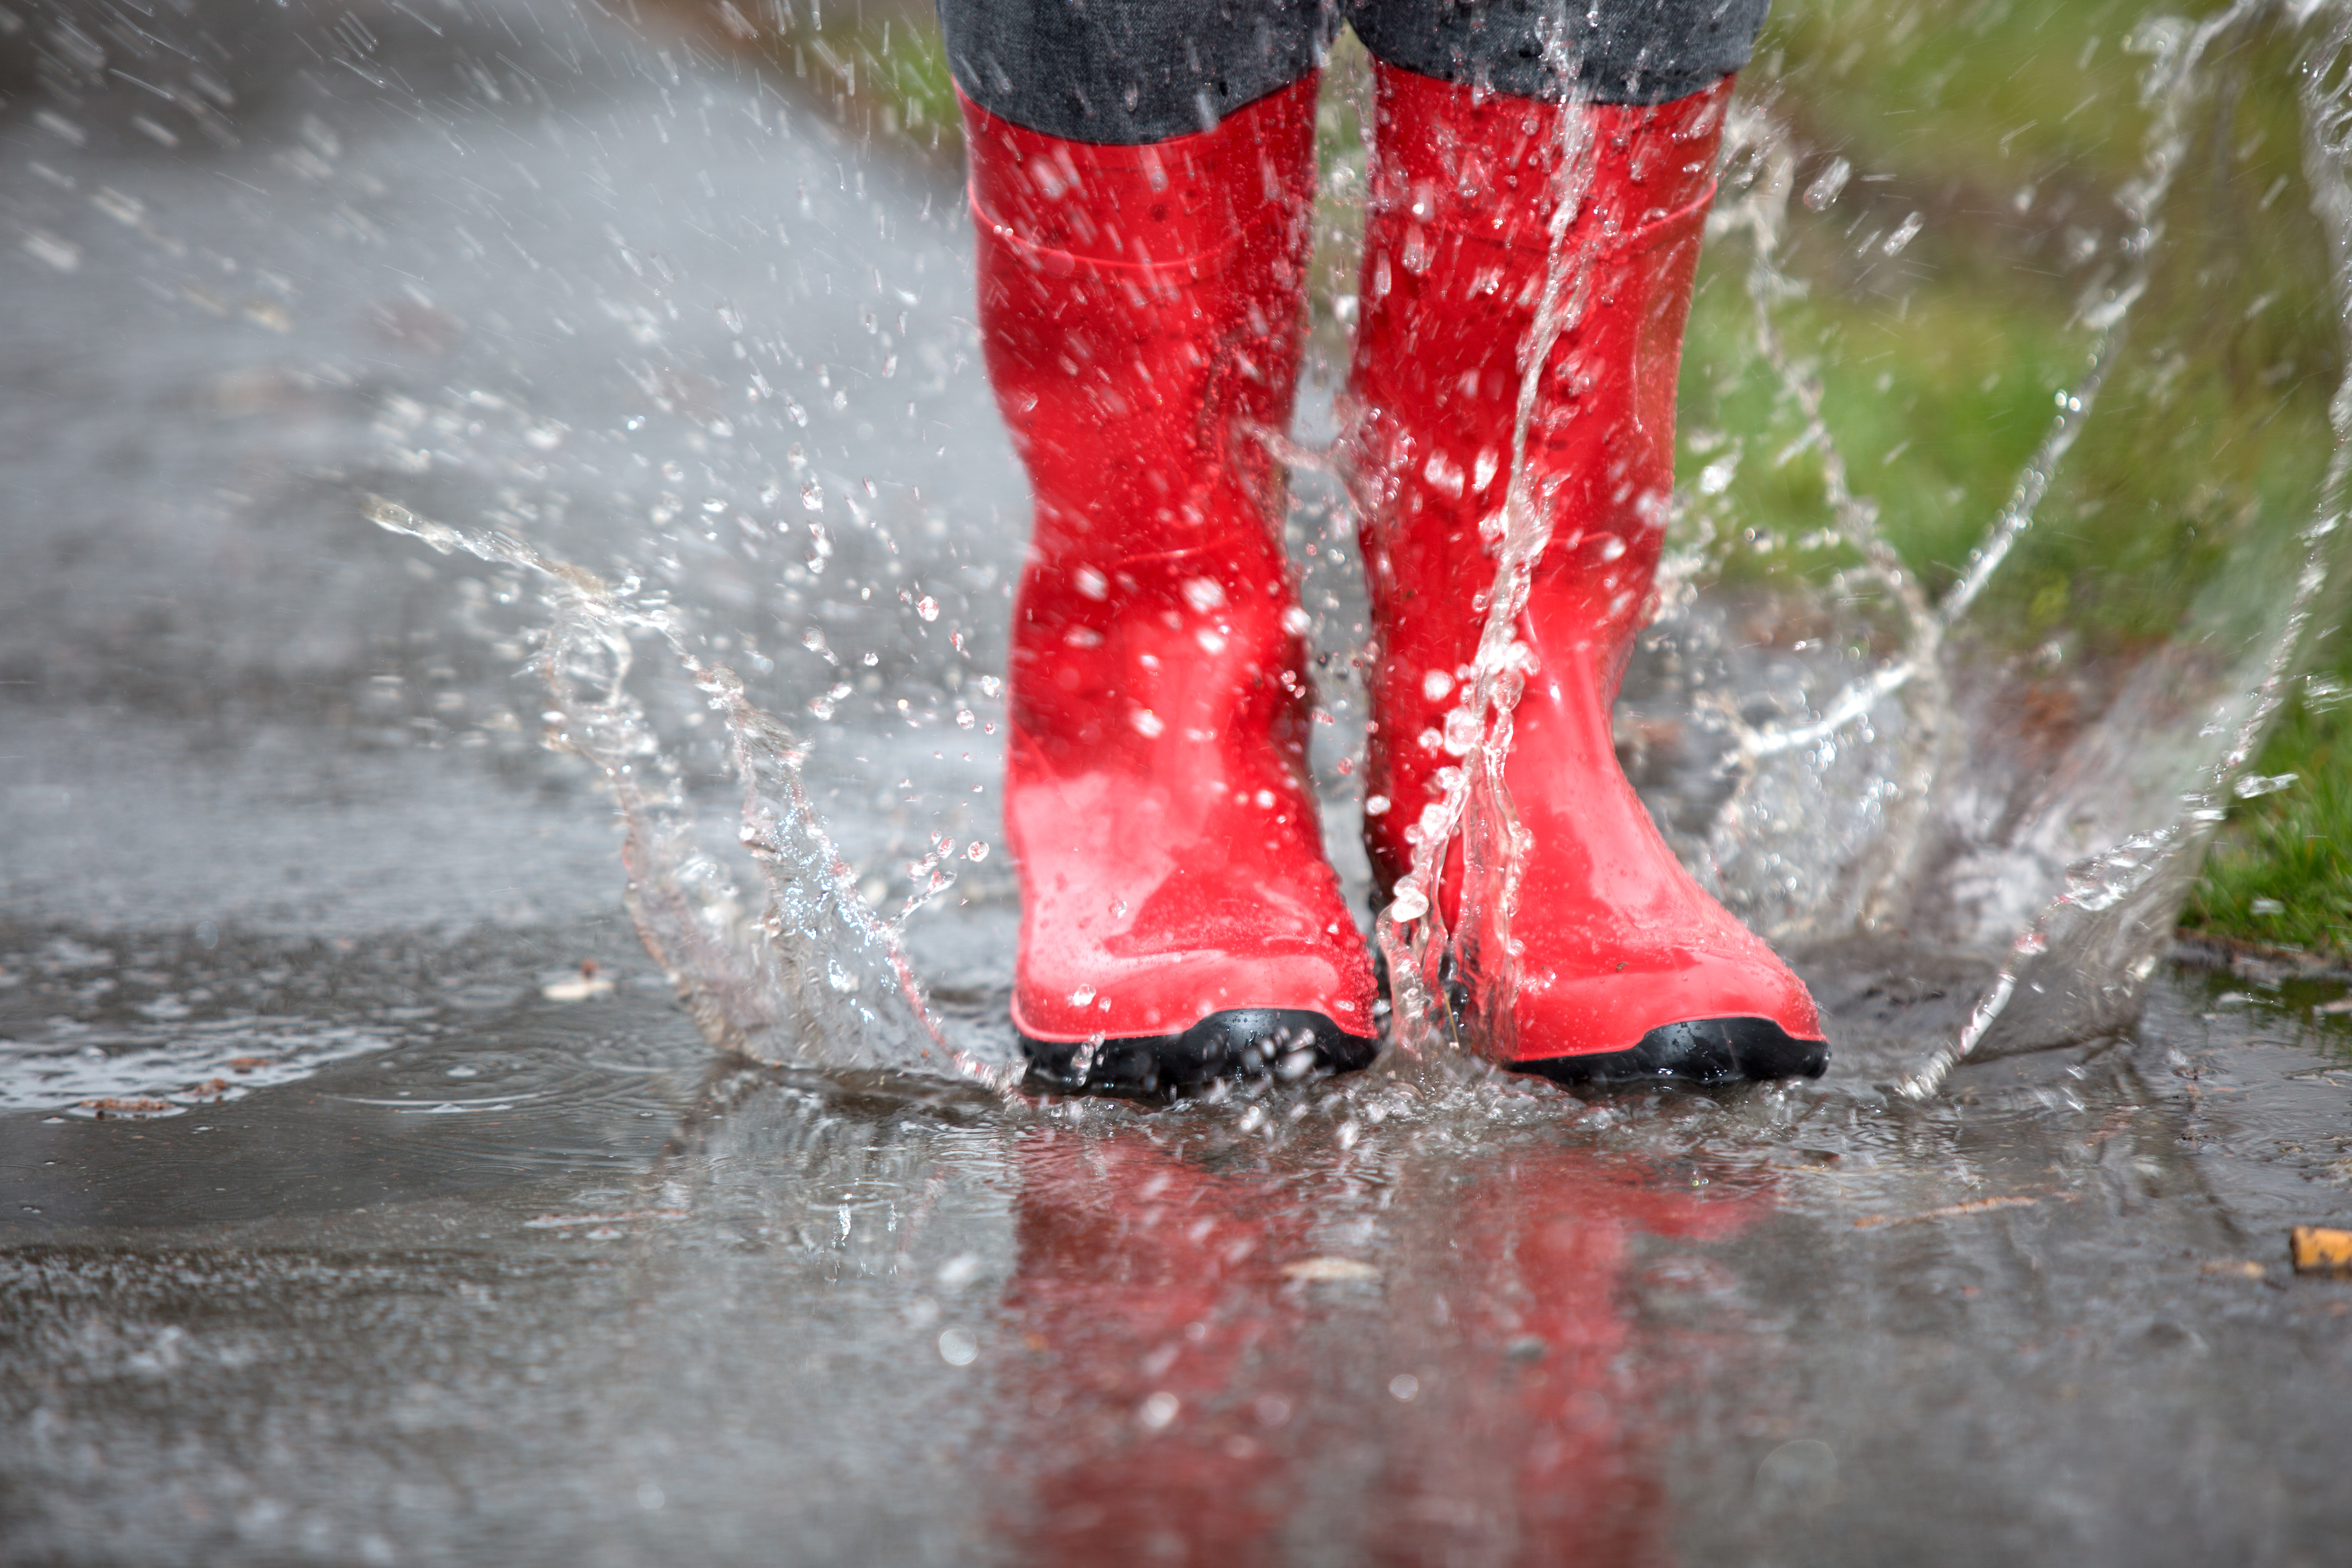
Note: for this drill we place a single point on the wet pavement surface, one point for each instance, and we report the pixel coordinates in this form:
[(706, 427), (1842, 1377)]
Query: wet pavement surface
[(528, 1279), (346, 1217)]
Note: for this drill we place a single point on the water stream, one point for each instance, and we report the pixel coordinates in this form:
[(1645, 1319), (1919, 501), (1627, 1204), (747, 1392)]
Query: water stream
[(1855, 809)]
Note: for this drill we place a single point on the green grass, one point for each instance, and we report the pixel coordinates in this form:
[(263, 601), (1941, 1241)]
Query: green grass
[(2006, 126), (2283, 876)]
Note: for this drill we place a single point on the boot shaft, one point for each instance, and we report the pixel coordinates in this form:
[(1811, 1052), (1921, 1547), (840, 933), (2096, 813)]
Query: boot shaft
[(1140, 312), (1466, 193)]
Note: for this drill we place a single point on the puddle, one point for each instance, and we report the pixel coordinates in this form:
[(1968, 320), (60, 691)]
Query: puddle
[(625, 1304)]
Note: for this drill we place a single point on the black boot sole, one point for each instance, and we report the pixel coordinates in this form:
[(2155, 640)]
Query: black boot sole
[(1705, 1050), (1240, 1043)]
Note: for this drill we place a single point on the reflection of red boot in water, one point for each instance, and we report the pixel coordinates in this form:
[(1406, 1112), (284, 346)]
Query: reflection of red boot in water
[(1191, 1393), (1619, 964), (1166, 1367), (1534, 1436), (1142, 172)]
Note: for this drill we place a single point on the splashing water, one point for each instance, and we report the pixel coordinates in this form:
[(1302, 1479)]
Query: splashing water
[(2085, 959), (817, 979), (1820, 800)]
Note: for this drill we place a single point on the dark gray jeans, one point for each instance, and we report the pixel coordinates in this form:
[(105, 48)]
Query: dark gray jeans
[(1125, 72)]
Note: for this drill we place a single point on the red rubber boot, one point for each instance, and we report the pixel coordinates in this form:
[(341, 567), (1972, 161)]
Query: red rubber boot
[(1140, 312), (1624, 968)]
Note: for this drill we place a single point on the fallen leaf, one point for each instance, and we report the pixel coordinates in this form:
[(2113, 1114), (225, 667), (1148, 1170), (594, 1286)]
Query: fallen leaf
[(2319, 1250)]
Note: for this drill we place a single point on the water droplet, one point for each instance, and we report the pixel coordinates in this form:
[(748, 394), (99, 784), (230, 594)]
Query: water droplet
[(1160, 1410), (958, 1347), (1376, 805), (61, 254), (1462, 728), (1828, 184), (1091, 582), (928, 607), (1147, 723), (1418, 252), (1435, 685), (1082, 995)]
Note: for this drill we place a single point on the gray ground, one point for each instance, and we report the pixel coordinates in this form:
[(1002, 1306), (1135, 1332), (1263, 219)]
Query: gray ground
[(409, 1260)]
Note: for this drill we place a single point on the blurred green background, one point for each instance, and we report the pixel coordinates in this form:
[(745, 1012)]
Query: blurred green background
[(1951, 211)]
